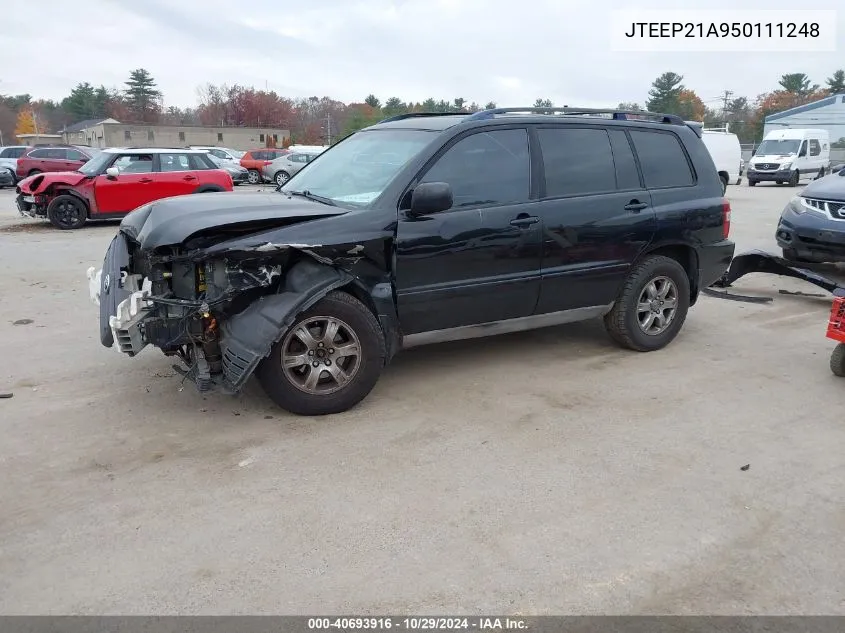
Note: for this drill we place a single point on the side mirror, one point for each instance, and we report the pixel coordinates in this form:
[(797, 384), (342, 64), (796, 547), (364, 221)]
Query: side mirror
[(431, 197), (112, 173)]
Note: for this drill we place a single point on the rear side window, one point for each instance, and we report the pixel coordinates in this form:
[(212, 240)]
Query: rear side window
[(200, 161), (578, 161), (815, 148), (174, 162), (37, 153), (486, 168), (73, 154), (662, 159)]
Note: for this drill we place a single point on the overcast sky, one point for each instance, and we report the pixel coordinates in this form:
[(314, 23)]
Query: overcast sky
[(507, 51)]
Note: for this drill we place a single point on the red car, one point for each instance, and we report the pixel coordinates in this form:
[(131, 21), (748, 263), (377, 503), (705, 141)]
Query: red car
[(255, 159), (116, 182), (53, 158)]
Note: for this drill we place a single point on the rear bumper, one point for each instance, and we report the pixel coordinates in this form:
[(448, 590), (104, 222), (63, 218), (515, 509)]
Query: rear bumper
[(713, 261)]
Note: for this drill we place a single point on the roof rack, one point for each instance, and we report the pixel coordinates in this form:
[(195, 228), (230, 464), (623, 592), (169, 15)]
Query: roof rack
[(411, 115), (614, 113)]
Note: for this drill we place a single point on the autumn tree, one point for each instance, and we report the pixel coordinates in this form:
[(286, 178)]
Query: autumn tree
[(665, 93), (836, 82), (778, 101), (690, 106), (26, 122), (142, 96)]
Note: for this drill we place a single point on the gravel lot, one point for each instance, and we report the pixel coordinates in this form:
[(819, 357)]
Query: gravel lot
[(538, 473)]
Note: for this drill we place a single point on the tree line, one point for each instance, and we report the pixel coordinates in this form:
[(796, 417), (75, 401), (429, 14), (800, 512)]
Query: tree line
[(745, 117), (318, 120)]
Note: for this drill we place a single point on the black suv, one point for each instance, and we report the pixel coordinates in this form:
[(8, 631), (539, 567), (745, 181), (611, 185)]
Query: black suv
[(421, 229)]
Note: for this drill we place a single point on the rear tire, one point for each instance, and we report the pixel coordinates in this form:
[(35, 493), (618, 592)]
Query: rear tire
[(628, 322), (837, 360), (34, 172), (356, 330), (724, 180), (281, 178), (67, 212)]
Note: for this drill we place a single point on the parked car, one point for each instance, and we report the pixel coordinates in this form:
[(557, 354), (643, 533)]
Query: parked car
[(7, 179), (255, 160), (9, 158), (53, 158), (116, 182), (223, 153), (812, 225), (379, 246), (238, 174), (789, 156), (281, 169)]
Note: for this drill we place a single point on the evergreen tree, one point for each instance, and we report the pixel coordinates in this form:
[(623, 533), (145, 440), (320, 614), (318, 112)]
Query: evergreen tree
[(665, 93), (142, 96)]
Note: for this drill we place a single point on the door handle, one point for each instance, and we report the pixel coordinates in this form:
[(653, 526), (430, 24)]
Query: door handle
[(145, 180), (189, 178), (636, 206), (524, 220)]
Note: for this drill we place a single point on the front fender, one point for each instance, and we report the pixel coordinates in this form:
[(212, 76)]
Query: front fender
[(249, 335)]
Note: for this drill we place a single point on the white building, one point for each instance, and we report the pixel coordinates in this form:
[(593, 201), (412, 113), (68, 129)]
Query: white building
[(826, 114)]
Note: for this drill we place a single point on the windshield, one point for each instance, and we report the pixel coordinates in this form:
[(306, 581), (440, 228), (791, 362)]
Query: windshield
[(359, 168), (96, 164), (778, 148)]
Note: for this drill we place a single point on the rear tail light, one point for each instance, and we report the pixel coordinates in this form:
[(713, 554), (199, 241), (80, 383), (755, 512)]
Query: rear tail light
[(726, 219), (267, 162)]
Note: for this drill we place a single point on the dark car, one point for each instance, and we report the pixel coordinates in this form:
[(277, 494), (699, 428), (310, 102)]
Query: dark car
[(812, 225), (6, 178), (421, 229)]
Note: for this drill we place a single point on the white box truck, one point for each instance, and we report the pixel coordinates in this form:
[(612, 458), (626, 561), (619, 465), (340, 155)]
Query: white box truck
[(789, 156)]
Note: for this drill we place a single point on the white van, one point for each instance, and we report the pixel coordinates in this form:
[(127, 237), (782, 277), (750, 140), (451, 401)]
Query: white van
[(726, 154), (790, 156)]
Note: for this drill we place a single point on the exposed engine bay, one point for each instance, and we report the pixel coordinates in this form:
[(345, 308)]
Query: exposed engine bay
[(219, 299)]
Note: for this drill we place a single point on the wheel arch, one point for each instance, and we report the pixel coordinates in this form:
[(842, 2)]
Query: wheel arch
[(685, 255), (56, 190), (208, 189)]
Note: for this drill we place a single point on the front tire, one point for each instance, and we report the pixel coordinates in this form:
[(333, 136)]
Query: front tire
[(751, 183), (254, 177), (794, 178), (652, 307), (67, 212), (328, 360)]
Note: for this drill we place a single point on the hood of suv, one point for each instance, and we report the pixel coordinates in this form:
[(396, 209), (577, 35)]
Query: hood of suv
[(172, 221), (830, 187)]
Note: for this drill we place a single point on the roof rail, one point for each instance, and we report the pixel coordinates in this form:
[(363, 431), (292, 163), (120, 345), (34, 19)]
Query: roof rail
[(571, 111), (411, 115)]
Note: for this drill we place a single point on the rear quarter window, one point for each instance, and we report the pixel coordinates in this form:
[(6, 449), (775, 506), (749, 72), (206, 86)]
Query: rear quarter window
[(37, 153), (662, 159)]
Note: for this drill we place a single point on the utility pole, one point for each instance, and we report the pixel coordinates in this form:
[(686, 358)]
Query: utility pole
[(328, 128), (725, 97)]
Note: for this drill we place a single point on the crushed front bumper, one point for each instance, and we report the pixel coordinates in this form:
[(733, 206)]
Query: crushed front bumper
[(31, 206), (763, 262)]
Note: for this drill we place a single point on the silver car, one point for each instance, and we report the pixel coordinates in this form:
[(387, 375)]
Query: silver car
[(281, 169)]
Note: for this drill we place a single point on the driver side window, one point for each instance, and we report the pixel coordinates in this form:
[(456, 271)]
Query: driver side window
[(486, 168)]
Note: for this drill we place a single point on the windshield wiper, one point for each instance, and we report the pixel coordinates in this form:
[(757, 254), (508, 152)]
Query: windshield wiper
[(312, 196)]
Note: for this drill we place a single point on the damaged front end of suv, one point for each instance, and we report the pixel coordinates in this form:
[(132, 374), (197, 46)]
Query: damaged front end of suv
[(217, 280)]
